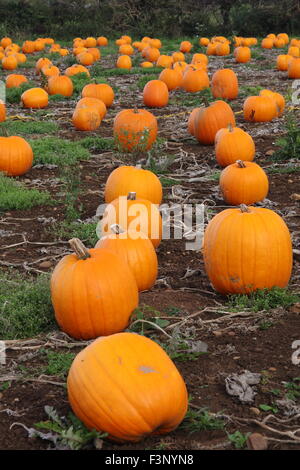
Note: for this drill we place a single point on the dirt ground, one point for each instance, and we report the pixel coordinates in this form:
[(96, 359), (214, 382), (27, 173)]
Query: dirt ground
[(235, 343)]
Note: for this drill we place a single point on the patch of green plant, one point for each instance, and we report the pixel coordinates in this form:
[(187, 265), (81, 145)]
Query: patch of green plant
[(14, 196), (238, 439), (268, 408), (25, 306), (145, 79), (289, 169), (70, 177), (58, 151), (58, 97), (159, 164), (144, 319), (293, 389), (65, 432), (262, 299), (85, 231), (214, 176), (289, 144), (79, 81), (97, 144), (13, 95), (175, 311), (201, 420), (276, 392), (257, 55), (58, 363), (265, 324), (246, 90), (193, 99), (5, 386), (168, 181), (28, 127), (98, 70)]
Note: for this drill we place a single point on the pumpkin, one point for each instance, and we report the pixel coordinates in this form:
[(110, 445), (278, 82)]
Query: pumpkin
[(60, 85), (138, 215), (126, 49), (93, 292), (86, 119), (5, 42), (294, 51), (124, 62), (294, 68), (95, 53), (93, 103), (21, 58), (242, 54), (101, 91), (172, 78), (2, 111), (243, 183), (195, 80), (178, 57), (126, 179), (138, 253), (267, 43), (152, 54), (155, 94), (127, 386), (282, 62), (28, 47), (211, 49), (146, 64), (284, 36), (35, 98), (63, 52), (39, 45), (191, 121), (90, 42), (14, 80), (279, 99), (85, 58), (9, 63), (279, 43), (41, 63), (222, 49), (231, 144), (247, 248), (126, 38), (199, 58), (185, 46), (156, 43), (208, 121), (224, 84), (164, 61), (260, 109), (102, 41), (135, 129), (16, 155), (50, 70), (75, 69), (204, 42)]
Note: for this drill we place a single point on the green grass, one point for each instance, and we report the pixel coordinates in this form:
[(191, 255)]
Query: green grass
[(238, 439), (58, 151), (201, 420), (289, 169), (27, 310), (142, 81), (98, 70), (58, 363), (289, 144), (59, 97), (28, 127), (262, 299), (97, 144), (293, 389), (79, 81), (14, 196), (246, 90), (193, 99), (85, 231)]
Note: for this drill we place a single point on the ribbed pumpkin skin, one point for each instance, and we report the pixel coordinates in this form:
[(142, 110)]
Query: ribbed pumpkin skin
[(16, 155), (93, 297), (244, 185), (60, 85), (260, 109), (102, 91), (282, 62), (208, 121), (138, 253), (125, 179), (127, 386), (279, 99), (140, 215), (247, 251), (86, 119), (294, 68), (224, 84), (14, 80), (172, 78), (92, 103), (135, 129), (232, 145)]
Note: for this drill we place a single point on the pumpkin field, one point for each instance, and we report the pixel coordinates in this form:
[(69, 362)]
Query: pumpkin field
[(118, 338)]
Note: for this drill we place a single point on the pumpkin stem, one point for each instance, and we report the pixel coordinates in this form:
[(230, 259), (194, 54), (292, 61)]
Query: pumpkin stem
[(80, 250), (240, 163), (116, 229), (244, 208), (139, 166), (230, 128), (131, 196)]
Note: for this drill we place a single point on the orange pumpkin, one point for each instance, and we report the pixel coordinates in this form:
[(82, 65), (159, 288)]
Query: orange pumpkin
[(126, 179), (224, 84), (135, 129), (185, 46), (178, 57), (294, 68), (90, 42), (35, 98), (93, 103), (282, 62), (50, 70), (279, 99), (75, 69), (102, 41), (9, 63), (246, 249), (195, 80), (2, 111), (145, 391), (267, 43), (60, 85), (164, 61), (93, 292), (124, 62), (101, 91), (85, 58), (86, 119), (126, 49), (14, 80), (16, 155), (155, 94), (172, 78), (208, 121), (41, 63), (231, 144), (243, 183), (242, 54), (260, 109)]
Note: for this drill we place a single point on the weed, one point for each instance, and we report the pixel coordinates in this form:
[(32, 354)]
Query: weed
[(28, 127), (79, 81), (5, 386), (13, 95), (58, 151), (289, 145), (238, 439), (97, 144), (269, 408), (13, 195), (265, 324), (293, 389), (246, 91), (85, 231), (58, 363), (201, 420), (27, 310), (58, 97), (263, 299)]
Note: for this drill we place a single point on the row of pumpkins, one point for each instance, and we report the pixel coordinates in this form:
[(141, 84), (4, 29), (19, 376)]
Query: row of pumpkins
[(123, 383)]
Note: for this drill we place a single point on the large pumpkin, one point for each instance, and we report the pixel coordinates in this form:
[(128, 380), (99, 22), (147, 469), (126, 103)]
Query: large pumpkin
[(2, 111), (138, 253), (135, 129), (232, 144), (208, 121), (126, 179), (224, 84), (139, 215), (247, 248), (127, 386), (172, 78), (16, 155), (93, 292), (195, 80), (243, 183)]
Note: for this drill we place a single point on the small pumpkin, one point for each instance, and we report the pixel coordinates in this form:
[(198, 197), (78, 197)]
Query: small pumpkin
[(279, 99), (135, 129), (124, 62), (155, 94), (208, 121), (102, 41), (35, 98), (172, 78), (60, 85), (101, 91), (134, 375), (126, 179), (14, 80), (233, 143), (282, 62), (93, 103), (243, 183), (93, 292), (195, 80), (242, 54), (164, 61), (224, 84), (9, 63), (260, 109), (185, 46), (75, 69), (247, 248), (86, 119), (16, 155), (294, 68)]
